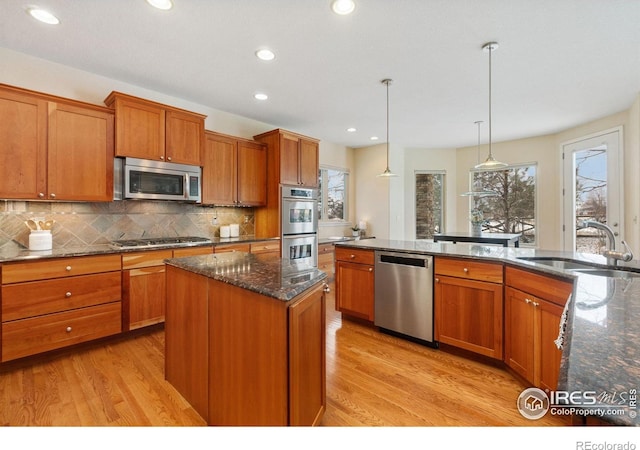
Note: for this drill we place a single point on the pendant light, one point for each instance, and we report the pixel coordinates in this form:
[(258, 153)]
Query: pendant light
[(477, 190), (490, 162), (387, 172)]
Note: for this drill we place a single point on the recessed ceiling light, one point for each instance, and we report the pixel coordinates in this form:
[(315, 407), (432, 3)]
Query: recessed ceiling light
[(260, 96), (265, 54), (161, 4), (351, 130), (374, 138), (43, 15), (343, 7)]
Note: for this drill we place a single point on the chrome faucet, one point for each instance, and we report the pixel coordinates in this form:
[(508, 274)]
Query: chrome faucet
[(611, 254)]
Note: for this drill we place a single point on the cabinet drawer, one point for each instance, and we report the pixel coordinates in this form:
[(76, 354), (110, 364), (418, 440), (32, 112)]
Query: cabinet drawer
[(192, 251), (40, 334), (265, 247), (325, 258), (232, 248), (58, 268), (325, 248), (355, 255), (543, 286), (469, 269), (44, 297), (145, 259)]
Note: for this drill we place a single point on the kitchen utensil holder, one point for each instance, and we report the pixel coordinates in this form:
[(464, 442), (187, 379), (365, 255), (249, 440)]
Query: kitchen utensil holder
[(40, 240)]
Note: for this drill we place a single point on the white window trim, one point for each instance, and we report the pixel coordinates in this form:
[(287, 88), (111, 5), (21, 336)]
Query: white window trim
[(336, 222)]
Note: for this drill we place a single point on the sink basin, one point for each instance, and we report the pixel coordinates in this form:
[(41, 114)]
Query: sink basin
[(337, 238), (612, 273), (559, 263)]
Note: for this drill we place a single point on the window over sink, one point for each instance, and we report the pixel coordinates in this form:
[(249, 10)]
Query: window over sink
[(333, 205)]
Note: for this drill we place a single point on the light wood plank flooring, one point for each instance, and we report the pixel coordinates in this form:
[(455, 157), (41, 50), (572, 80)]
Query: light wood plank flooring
[(373, 379)]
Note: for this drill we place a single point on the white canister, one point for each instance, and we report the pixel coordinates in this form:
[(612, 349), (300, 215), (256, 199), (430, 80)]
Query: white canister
[(224, 231), (234, 229), (40, 240)]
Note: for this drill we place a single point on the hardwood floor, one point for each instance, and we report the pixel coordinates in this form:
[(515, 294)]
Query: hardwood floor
[(373, 379)]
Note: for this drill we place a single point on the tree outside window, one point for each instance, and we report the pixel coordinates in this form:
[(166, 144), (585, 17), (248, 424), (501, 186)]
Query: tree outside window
[(429, 204), (513, 208), (332, 194)]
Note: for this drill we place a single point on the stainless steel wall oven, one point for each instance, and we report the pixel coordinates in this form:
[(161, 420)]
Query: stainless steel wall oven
[(299, 224)]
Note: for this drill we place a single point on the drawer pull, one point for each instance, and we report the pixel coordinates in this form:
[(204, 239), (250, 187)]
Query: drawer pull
[(465, 270), (68, 294), (68, 329), (536, 304), (352, 256), (68, 268), (370, 269), (526, 300), (326, 288), (437, 280)]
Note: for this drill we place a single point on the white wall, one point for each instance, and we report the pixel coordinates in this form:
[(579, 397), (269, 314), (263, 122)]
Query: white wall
[(372, 192), (338, 156)]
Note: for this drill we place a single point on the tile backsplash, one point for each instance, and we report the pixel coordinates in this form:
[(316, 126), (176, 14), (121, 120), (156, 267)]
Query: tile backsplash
[(81, 224)]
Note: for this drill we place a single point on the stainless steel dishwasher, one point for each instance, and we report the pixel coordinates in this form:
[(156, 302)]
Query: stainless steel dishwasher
[(404, 294)]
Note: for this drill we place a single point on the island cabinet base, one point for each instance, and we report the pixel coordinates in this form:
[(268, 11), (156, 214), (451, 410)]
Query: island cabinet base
[(242, 358)]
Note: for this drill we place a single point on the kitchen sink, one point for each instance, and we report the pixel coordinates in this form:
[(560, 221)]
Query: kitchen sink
[(559, 263), (612, 273)]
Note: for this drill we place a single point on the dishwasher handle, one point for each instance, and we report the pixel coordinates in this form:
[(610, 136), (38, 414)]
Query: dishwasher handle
[(403, 260)]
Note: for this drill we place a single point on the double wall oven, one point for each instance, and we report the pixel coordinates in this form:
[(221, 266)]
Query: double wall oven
[(299, 224)]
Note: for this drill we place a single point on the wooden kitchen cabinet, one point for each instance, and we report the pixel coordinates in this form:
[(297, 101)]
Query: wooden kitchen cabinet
[(47, 305), (150, 130), (326, 257), (269, 248), (239, 247), (54, 149), (242, 358), (533, 307), (234, 171), (355, 282), (292, 159), (469, 305), (143, 287)]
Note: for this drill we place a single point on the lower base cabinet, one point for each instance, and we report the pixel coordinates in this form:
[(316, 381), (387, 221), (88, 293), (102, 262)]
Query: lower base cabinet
[(241, 358), (533, 307), (355, 282)]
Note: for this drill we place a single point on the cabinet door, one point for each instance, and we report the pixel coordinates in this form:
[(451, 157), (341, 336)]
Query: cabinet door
[(184, 138), (140, 129), (23, 146), (469, 315), (80, 154), (308, 163), (355, 289), (289, 160), (307, 360), (549, 355), (519, 333), (145, 294), (219, 181), (252, 174)]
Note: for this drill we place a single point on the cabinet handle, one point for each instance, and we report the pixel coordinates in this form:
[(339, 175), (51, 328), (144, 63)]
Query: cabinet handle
[(370, 269), (161, 158), (41, 195), (437, 280), (326, 288), (68, 294), (68, 329), (527, 301), (168, 158), (465, 270), (352, 256), (52, 195), (536, 304), (68, 268)]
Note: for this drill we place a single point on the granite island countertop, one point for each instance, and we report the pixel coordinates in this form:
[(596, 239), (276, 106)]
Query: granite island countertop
[(269, 276), (601, 351)]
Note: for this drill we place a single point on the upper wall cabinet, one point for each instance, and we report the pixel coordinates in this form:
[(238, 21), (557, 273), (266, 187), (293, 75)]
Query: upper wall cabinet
[(53, 148), (293, 159), (234, 171), (149, 130)]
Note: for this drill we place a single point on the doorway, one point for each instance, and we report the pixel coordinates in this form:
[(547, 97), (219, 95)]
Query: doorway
[(592, 190)]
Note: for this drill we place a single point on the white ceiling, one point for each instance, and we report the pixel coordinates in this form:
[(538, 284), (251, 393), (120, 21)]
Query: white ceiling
[(560, 63)]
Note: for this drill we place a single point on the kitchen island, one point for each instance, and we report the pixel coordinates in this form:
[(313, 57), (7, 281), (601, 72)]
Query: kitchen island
[(245, 339), (600, 351)]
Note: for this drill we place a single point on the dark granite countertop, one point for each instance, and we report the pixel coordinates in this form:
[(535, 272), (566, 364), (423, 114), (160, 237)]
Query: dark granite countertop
[(265, 275), (601, 351), (24, 254)]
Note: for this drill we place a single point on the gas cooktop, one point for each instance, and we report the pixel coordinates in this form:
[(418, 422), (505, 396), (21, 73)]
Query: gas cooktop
[(179, 241)]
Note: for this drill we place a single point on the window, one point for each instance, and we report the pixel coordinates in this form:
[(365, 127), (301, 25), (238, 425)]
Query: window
[(333, 193), (512, 208), (429, 204)]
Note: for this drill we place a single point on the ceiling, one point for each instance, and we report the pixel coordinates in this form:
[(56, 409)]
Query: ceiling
[(560, 63)]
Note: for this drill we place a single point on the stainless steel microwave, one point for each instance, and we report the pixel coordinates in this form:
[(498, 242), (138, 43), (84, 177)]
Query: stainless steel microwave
[(156, 180)]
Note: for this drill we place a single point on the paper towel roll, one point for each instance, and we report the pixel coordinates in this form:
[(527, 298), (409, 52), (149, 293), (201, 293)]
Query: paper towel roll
[(224, 231), (234, 230)]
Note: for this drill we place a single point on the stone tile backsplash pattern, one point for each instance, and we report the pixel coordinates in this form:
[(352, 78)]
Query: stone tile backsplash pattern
[(82, 224)]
